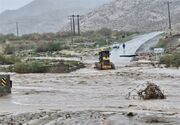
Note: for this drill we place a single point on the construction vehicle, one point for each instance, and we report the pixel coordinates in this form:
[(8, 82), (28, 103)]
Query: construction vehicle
[(5, 85), (104, 61)]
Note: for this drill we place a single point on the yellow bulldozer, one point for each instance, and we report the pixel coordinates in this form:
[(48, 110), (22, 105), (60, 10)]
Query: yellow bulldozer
[(104, 61)]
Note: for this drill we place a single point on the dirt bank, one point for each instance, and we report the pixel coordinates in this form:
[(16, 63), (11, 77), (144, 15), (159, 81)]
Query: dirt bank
[(89, 118)]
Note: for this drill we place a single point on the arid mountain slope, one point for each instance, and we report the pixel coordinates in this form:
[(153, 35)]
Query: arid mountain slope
[(133, 15), (44, 15)]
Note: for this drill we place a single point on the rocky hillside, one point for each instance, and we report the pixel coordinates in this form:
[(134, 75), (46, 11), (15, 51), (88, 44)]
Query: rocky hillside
[(44, 15), (133, 15)]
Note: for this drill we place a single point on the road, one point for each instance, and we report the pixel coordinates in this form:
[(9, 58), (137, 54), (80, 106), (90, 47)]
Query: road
[(131, 47)]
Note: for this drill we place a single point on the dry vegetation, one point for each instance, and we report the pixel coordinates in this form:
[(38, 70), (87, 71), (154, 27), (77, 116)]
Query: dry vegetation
[(172, 47), (16, 49), (48, 43), (45, 66), (150, 91)]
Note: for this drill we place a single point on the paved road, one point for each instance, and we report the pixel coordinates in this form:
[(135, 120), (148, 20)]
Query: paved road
[(131, 47)]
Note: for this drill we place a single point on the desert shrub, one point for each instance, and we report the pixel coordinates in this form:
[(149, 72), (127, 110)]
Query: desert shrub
[(45, 66), (48, 36), (101, 42), (9, 49), (17, 47), (171, 60), (8, 60), (105, 32), (88, 33), (48, 47), (176, 60), (162, 43), (30, 67), (63, 34), (167, 60), (65, 47), (33, 36), (8, 37)]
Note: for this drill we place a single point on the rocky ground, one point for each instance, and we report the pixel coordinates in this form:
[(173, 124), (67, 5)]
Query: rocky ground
[(133, 15)]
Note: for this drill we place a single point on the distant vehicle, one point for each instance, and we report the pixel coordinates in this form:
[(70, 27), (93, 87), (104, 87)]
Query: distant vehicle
[(115, 46)]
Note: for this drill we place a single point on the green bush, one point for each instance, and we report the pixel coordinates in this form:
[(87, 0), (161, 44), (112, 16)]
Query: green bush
[(162, 43), (46, 66), (167, 60), (105, 32), (30, 67), (176, 60), (9, 49), (48, 47), (8, 60), (33, 37), (8, 37), (171, 60)]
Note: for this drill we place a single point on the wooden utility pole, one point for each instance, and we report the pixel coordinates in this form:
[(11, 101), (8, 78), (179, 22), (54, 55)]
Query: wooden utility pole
[(71, 26), (73, 23), (73, 19), (17, 29), (78, 23), (169, 15)]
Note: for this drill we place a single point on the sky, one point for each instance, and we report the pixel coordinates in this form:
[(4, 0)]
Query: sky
[(12, 4)]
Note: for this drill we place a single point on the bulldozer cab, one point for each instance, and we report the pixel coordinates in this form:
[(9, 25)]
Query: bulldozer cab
[(104, 56), (104, 61)]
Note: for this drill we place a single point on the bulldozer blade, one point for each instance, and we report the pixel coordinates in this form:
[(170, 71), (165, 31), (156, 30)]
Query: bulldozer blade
[(128, 55)]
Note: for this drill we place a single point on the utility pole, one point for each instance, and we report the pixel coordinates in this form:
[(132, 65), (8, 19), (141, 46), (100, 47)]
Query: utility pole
[(169, 15), (78, 23), (17, 29), (73, 23), (71, 26), (75, 18)]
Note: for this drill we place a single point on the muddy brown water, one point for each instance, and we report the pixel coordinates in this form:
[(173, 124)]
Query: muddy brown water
[(91, 97)]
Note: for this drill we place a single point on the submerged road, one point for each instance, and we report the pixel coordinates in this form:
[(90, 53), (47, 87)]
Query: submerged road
[(131, 47)]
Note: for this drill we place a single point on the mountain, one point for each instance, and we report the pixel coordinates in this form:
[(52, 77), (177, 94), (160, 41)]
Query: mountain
[(133, 15), (44, 15)]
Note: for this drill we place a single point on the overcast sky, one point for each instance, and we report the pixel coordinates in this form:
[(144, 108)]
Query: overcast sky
[(12, 4)]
